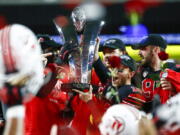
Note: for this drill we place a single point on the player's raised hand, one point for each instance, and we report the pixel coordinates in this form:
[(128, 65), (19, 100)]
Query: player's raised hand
[(96, 55)]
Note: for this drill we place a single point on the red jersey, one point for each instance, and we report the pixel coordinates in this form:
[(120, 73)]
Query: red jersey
[(42, 113), (173, 77), (88, 115), (95, 79), (151, 85)]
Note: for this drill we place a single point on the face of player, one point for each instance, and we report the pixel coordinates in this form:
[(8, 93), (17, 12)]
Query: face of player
[(146, 54), (108, 52), (121, 76)]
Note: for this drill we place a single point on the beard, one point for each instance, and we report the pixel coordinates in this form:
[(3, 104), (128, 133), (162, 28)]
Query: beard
[(147, 60)]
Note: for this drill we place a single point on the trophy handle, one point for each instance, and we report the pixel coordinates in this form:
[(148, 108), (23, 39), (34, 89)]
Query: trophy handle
[(66, 29), (70, 52), (91, 31)]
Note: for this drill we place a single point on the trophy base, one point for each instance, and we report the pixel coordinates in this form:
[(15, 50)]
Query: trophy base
[(79, 86)]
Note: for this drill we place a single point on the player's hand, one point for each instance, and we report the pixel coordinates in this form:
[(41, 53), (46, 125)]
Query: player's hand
[(166, 85), (96, 55), (44, 57), (85, 96), (58, 85)]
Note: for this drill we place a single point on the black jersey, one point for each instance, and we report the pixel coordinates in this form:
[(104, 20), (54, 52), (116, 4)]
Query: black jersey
[(127, 94)]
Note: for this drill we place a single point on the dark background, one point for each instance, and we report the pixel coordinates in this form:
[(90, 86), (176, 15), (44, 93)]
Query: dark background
[(164, 18)]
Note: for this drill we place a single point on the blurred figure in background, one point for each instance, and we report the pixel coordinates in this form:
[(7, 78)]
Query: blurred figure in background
[(125, 120), (46, 107), (167, 117), (2, 117), (21, 74)]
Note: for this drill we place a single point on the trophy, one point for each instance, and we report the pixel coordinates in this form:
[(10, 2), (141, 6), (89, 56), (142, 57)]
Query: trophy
[(79, 56)]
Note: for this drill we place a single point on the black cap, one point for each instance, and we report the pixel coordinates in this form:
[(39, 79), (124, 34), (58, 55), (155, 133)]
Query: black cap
[(151, 39), (114, 43), (128, 61), (47, 42)]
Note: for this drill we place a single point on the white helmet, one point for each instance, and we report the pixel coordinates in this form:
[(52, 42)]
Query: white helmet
[(20, 56), (169, 113), (120, 119)]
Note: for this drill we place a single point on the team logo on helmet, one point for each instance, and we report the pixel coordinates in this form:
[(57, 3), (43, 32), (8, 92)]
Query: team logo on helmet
[(112, 41), (145, 73), (125, 57), (118, 124)]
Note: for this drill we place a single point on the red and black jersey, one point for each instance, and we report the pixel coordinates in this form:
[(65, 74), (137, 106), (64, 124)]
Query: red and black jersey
[(151, 84), (135, 99), (127, 94)]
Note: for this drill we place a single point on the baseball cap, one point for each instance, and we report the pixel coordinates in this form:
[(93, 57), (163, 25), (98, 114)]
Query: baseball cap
[(151, 39), (47, 42), (128, 61), (114, 43)]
